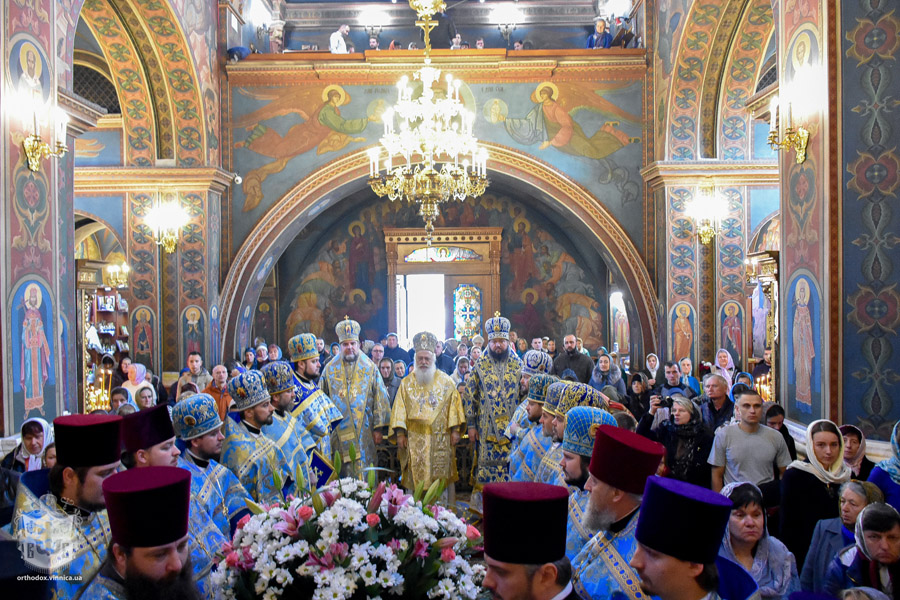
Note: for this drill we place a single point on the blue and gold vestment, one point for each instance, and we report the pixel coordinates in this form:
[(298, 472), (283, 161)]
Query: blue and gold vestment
[(70, 545), (490, 399), (358, 391), (293, 442), (316, 413), (218, 491), (526, 458), (601, 569), (255, 459)]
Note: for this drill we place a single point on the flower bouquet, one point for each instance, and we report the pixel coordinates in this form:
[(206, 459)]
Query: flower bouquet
[(353, 540)]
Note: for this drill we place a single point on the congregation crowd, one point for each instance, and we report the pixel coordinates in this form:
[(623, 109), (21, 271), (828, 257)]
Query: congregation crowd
[(590, 480)]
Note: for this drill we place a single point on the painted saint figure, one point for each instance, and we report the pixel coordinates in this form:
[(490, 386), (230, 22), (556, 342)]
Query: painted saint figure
[(804, 350), (683, 333), (34, 370), (732, 333)]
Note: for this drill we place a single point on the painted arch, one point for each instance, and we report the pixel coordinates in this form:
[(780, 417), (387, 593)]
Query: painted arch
[(328, 185)]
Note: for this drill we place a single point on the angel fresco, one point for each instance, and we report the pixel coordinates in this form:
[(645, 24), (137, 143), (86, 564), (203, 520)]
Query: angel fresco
[(551, 122), (323, 129)]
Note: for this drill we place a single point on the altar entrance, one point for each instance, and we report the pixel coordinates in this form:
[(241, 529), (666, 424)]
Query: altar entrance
[(449, 287)]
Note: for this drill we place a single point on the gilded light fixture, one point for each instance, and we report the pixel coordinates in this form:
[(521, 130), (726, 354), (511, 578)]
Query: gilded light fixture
[(35, 114), (166, 219), (117, 275), (801, 100), (793, 139), (434, 127), (706, 210)]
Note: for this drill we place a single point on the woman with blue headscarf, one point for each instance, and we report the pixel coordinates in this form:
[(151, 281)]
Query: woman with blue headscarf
[(886, 474), (748, 543)]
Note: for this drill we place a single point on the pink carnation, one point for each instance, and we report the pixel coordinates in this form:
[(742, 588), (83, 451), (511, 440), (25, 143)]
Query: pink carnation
[(472, 533), (373, 520), (305, 513), (244, 520), (447, 554)]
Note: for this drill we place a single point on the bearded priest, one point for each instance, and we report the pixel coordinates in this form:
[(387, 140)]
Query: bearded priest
[(427, 420)]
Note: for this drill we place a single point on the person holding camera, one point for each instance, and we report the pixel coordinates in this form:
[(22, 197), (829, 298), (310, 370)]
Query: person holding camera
[(687, 440)]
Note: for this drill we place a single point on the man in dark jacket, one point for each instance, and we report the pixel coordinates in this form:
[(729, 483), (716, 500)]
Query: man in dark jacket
[(672, 384), (442, 361), (394, 351), (573, 359)]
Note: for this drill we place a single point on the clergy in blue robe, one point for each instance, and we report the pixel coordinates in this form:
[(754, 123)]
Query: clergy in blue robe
[(526, 457), (533, 363), (316, 412), (620, 464), (354, 385), (149, 517), (60, 519), (252, 456), (582, 423), (562, 397), (490, 398), (290, 437), (149, 440), (214, 487)]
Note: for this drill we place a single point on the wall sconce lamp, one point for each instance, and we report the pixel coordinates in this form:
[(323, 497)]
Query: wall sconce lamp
[(801, 100), (35, 115), (706, 210), (507, 18), (166, 219), (793, 139)]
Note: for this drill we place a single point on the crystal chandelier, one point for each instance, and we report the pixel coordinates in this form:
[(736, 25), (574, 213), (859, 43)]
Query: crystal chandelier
[(434, 127)]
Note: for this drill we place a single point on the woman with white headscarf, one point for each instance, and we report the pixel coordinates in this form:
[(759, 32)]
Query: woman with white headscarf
[(652, 368), (810, 488), (137, 379), (36, 435), (724, 366)]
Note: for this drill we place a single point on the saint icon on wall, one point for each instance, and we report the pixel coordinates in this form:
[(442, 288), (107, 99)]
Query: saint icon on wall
[(804, 350), (35, 367)]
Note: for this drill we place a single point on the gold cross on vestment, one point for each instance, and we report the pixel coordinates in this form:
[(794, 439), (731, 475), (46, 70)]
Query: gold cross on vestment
[(497, 313)]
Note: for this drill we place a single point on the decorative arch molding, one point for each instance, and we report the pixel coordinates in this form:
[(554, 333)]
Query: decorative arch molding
[(166, 52), (130, 79), (725, 132), (156, 51), (709, 29), (329, 184)]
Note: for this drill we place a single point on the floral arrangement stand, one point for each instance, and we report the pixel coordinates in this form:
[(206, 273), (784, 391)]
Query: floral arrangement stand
[(350, 540)]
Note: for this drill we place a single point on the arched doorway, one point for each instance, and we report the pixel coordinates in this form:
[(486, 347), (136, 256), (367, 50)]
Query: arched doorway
[(327, 186)]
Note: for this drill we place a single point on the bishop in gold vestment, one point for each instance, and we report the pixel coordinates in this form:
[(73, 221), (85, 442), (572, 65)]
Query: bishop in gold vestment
[(427, 419)]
